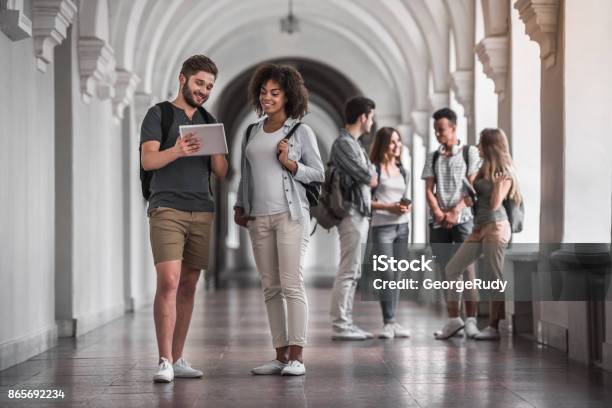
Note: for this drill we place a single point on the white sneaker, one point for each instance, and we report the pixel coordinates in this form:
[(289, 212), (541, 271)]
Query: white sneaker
[(400, 331), (182, 369), (388, 331), (294, 367), (165, 373), (272, 367), (452, 327), (347, 334), (367, 334), (471, 329), (489, 333)]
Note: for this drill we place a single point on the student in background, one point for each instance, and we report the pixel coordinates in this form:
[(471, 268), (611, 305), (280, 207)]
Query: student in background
[(451, 221), (390, 218), (495, 182), (358, 177)]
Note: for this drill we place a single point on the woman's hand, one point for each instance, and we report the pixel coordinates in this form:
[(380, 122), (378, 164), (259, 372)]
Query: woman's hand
[(499, 178), (283, 156), (397, 208), (240, 218)]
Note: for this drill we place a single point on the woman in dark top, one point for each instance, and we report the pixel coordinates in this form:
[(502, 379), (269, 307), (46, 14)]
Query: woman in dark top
[(495, 182)]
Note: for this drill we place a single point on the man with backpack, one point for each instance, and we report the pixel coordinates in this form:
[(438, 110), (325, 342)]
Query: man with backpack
[(357, 177), (177, 186), (446, 173)]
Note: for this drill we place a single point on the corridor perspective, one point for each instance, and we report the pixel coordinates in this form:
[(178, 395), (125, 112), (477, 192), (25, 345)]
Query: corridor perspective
[(77, 275)]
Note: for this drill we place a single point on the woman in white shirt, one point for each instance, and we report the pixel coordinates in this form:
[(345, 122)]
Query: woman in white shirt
[(390, 218), (279, 159)]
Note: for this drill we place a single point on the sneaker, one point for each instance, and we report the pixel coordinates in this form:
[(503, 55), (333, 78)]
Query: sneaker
[(489, 333), (165, 373), (347, 334), (270, 368), (400, 331), (471, 329), (182, 369), (367, 334), (388, 331), (294, 367), (452, 327)]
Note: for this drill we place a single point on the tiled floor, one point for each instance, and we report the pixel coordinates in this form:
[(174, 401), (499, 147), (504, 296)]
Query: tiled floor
[(112, 366)]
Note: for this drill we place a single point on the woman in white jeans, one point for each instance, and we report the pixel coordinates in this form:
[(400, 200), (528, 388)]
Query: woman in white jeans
[(390, 218), (495, 182), (279, 158)]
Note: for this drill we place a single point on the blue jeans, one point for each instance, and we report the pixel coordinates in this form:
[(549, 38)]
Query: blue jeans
[(390, 240)]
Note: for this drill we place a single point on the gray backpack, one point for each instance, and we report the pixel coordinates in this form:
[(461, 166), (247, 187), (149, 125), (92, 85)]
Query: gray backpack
[(333, 204), (516, 214)]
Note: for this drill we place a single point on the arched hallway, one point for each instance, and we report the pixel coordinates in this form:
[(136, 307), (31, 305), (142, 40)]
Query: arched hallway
[(110, 366), (76, 269)]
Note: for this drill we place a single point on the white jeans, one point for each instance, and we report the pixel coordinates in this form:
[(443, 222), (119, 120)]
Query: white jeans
[(353, 232), (279, 245)]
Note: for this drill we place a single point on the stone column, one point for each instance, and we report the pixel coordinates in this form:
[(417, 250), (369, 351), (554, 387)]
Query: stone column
[(576, 195), (418, 148)]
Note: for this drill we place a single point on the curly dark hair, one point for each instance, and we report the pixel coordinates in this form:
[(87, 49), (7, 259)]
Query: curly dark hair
[(290, 80)]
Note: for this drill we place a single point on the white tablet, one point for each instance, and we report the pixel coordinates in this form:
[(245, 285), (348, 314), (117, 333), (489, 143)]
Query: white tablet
[(212, 138)]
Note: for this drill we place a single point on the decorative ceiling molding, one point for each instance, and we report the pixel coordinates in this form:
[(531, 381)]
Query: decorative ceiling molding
[(13, 22), (493, 54), (51, 19), (419, 120), (462, 84), (125, 86), (541, 18), (97, 68)]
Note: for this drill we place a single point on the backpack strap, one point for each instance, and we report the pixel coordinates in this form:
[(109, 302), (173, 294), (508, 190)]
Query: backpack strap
[(167, 117), (466, 158), (436, 156), (248, 132), (292, 131), (378, 172)]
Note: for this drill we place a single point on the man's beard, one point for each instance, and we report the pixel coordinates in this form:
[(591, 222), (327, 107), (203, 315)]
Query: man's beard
[(189, 99)]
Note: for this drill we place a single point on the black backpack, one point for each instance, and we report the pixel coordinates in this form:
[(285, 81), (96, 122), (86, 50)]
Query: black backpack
[(313, 190), (167, 117)]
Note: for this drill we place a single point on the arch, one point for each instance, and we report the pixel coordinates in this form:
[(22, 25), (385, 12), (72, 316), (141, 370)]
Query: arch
[(125, 21), (243, 16), (461, 14)]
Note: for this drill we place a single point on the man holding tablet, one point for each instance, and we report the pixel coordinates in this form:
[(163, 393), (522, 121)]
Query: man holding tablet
[(180, 210)]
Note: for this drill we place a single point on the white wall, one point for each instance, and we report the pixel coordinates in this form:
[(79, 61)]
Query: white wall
[(525, 83), (98, 238), (27, 310), (588, 98)]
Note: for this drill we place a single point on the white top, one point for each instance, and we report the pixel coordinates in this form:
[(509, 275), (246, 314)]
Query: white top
[(267, 173), (389, 190)]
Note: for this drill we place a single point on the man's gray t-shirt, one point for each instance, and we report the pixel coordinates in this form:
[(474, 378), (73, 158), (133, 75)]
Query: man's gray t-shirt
[(183, 183)]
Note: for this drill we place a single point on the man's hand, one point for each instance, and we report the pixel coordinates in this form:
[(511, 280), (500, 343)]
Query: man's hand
[(186, 145), (452, 217), (240, 218), (439, 216)]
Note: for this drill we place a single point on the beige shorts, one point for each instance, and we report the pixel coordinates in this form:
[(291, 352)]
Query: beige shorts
[(180, 235)]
